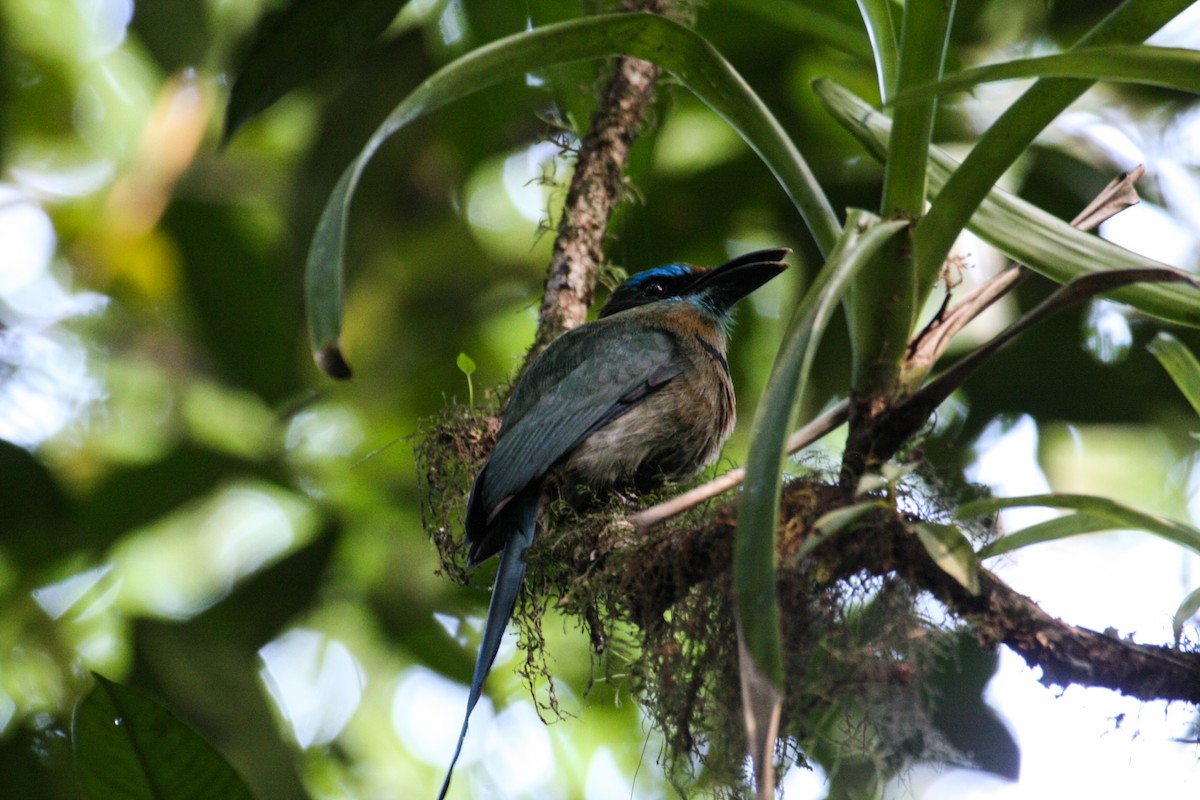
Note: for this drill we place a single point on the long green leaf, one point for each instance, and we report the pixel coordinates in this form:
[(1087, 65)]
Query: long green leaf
[(1180, 363), (1095, 513), (297, 43), (129, 746), (1168, 67), (1023, 231), (754, 547), (760, 650), (922, 52), (1012, 133), (693, 61), (877, 17), (1048, 531)]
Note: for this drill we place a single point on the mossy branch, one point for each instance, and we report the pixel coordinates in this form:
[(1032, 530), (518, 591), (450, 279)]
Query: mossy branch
[(593, 193)]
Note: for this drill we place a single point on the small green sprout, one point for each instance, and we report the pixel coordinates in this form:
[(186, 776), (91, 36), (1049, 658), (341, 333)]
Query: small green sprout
[(468, 367)]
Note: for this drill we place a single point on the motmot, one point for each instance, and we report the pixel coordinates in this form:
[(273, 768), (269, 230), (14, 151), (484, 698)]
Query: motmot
[(639, 395)]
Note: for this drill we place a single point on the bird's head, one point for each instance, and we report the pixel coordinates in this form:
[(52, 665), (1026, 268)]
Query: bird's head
[(713, 291)]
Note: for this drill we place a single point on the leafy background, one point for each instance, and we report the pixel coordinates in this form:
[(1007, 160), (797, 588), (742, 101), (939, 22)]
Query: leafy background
[(189, 508)]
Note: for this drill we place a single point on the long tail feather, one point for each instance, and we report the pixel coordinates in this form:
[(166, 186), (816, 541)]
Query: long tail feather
[(509, 577)]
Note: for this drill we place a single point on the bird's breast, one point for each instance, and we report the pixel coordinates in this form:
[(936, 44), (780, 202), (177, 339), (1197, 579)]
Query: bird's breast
[(672, 433)]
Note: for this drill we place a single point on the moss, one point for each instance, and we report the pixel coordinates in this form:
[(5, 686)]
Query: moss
[(857, 646)]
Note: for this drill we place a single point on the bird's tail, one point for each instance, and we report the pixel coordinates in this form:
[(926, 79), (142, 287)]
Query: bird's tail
[(509, 576)]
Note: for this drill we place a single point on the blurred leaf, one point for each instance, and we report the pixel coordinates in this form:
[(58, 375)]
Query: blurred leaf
[(679, 50), (1180, 363), (135, 496), (1168, 67), (1187, 609), (204, 666), (37, 521), (1096, 514), (951, 551), (243, 294), (807, 18), (758, 508), (299, 42), (37, 765), (128, 746), (958, 682), (1027, 234)]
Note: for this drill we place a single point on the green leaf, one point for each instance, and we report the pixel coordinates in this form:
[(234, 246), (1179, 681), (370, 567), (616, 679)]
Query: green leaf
[(1048, 531), (922, 53), (1096, 514), (833, 523), (689, 57), (466, 364), (129, 746), (952, 552), (1027, 234), (758, 509), (1008, 137), (299, 42), (1180, 363), (1168, 67), (1187, 609), (877, 17)]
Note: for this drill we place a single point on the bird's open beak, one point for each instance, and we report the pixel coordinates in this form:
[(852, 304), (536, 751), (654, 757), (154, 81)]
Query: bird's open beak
[(725, 285)]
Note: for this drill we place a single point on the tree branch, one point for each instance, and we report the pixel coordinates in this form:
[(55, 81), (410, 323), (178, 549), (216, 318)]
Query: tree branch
[(673, 561), (593, 193)]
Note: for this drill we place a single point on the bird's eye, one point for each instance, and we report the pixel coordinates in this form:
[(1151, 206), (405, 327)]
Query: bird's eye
[(654, 289)]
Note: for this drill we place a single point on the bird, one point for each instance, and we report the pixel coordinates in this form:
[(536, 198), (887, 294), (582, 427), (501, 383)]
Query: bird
[(639, 395)]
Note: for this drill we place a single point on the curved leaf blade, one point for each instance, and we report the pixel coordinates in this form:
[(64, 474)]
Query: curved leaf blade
[(1048, 531), (129, 746), (1187, 609), (1167, 67), (1180, 363), (1026, 233), (1095, 514), (758, 509), (877, 19), (760, 649), (685, 54), (297, 43)]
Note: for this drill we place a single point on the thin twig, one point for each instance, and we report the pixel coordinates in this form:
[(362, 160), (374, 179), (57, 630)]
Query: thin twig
[(814, 430), (928, 345)]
